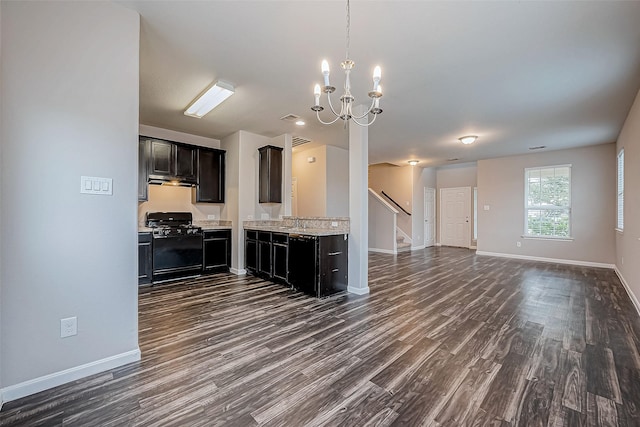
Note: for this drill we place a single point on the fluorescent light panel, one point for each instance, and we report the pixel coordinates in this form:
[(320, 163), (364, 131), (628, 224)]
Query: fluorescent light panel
[(209, 100)]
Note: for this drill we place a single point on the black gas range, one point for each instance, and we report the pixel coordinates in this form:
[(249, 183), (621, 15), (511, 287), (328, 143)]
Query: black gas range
[(177, 245)]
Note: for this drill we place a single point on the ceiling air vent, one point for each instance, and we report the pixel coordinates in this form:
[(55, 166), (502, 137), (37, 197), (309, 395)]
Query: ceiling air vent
[(290, 118), (298, 140)]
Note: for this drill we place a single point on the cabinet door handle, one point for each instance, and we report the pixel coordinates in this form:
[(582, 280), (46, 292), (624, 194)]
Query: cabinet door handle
[(334, 253), (335, 270)]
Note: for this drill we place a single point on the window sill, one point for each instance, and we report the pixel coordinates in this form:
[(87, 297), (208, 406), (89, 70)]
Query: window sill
[(556, 239)]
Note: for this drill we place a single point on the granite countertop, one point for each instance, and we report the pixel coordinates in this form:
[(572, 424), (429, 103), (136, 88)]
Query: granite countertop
[(297, 230)]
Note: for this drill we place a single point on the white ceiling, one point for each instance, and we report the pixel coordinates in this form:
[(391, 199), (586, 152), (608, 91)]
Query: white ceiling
[(516, 73)]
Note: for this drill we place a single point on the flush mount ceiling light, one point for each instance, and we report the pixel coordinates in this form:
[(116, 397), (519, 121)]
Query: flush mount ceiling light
[(347, 100), (413, 162), (210, 99), (300, 122), (469, 139)]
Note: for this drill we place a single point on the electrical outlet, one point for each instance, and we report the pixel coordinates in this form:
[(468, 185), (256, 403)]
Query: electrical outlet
[(518, 244), (68, 327), (249, 217), (211, 217), (334, 223)]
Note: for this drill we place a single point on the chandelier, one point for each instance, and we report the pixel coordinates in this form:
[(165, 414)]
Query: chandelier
[(347, 100)]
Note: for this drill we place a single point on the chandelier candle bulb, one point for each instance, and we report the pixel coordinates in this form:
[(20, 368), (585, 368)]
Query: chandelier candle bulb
[(377, 74), (316, 94), (325, 72)]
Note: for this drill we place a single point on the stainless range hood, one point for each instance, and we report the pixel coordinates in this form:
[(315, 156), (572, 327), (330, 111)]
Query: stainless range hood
[(174, 181)]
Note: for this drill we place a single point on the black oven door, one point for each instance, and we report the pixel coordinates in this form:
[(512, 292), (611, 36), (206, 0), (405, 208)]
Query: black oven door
[(175, 256)]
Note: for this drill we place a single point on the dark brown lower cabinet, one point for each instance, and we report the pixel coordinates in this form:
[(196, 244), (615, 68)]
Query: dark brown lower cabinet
[(251, 251), (145, 266), (280, 256), (316, 265), (217, 250), (264, 254)]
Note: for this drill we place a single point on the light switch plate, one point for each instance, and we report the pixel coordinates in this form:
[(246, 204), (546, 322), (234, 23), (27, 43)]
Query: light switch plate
[(96, 185)]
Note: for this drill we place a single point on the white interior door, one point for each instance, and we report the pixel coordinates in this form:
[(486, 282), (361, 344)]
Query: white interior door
[(429, 216), (455, 212)]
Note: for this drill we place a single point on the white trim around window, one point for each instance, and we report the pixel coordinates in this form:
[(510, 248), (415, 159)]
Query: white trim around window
[(620, 192), (547, 202)]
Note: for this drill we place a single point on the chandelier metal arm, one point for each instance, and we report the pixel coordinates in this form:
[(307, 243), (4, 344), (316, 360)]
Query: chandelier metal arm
[(373, 101), (331, 106), (365, 124), (326, 123)]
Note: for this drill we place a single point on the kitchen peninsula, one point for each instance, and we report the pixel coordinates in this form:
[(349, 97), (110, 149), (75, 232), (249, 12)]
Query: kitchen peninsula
[(309, 254)]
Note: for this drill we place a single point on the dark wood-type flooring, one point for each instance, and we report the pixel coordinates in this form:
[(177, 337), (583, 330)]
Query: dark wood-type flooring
[(446, 338)]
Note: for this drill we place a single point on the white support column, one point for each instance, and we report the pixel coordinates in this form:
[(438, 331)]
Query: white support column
[(358, 206)]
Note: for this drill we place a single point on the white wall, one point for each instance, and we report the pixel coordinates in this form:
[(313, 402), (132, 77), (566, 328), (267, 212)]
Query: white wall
[(69, 86), (501, 187), (421, 178), (166, 198), (628, 242), (323, 185), (397, 182), (230, 209), (382, 224), (312, 181), (172, 135), (242, 177), (337, 182)]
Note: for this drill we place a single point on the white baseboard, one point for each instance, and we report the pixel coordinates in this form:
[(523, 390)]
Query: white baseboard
[(358, 291), (438, 244), (46, 382), (237, 272), (383, 251), (417, 248), (542, 259), (473, 247), (634, 300)]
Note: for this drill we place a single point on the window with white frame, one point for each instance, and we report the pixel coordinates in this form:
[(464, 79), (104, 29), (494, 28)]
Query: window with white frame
[(620, 204), (548, 202)]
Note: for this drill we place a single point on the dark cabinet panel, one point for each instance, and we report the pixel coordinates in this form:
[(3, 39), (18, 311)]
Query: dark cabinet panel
[(264, 254), (185, 163), (145, 267), (318, 266), (211, 170), (270, 174), (251, 255), (143, 170), (333, 263), (217, 250), (162, 159), (280, 256)]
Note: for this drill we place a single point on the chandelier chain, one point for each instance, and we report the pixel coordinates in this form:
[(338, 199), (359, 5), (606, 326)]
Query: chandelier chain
[(348, 28)]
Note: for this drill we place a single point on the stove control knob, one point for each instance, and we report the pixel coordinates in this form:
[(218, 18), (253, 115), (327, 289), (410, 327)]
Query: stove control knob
[(166, 232)]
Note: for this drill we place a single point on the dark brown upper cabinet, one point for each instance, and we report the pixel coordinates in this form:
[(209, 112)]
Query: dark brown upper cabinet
[(210, 166), (270, 174), (169, 161), (143, 170)]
